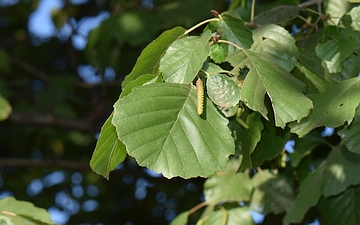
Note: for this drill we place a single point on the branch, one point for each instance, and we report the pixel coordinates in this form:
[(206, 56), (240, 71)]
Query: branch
[(52, 121)]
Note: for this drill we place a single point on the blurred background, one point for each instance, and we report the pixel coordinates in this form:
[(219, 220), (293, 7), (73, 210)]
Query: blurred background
[(61, 67)]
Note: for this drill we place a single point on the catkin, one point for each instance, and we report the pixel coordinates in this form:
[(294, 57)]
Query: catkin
[(200, 96)]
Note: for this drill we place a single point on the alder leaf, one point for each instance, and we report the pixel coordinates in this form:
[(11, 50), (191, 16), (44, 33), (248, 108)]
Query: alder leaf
[(279, 15), (161, 129), (351, 134), (109, 150), (149, 59), (267, 77), (275, 42), (332, 108), (184, 58), (222, 90), (5, 108)]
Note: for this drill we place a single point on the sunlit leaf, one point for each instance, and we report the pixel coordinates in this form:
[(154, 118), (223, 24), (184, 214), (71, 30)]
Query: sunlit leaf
[(109, 150), (234, 30), (355, 16), (181, 219), (275, 42), (184, 58), (336, 9), (351, 134), (21, 212), (162, 130), (222, 90), (341, 209), (332, 108), (272, 193), (228, 185), (148, 61), (5, 108), (267, 78), (229, 216), (143, 79)]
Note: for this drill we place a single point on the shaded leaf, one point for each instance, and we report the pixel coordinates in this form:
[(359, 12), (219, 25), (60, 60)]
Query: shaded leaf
[(21, 212), (304, 147), (5, 108), (160, 127), (109, 150), (351, 134), (148, 61), (338, 46), (228, 185), (278, 15), (275, 42), (272, 193), (309, 195), (184, 58), (341, 209), (222, 90), (267, 77), (272, 142), (331, 108)]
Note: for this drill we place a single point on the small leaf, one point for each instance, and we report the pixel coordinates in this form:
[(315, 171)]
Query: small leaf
[(184, 58), (222, 90), (272, 193), (161, 129), (21, 212), (218, 54), (148, 61), (267, 77), (181, 219), (275, 42), (109, 151), (331, 108), (351, 134), (5, 108), (229, 216)]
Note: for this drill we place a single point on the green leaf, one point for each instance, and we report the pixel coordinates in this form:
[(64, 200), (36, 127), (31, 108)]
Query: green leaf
[(336, 9), (275, 42), (267, 77), (355, 16), (228, 185), (161, 129), (234, 30), (148, 61), (229, 216), (222, 90), (272, 142), (181, 219), (141, 80), (278, 15), (272, 193), (21, 212), (341, 209), (247, 139), (351, 134), (304, 147), (334, 51), (218, 54), (109, 150), (331, 108), (341, 171), (5, 108), (184, 58), (309, 195)]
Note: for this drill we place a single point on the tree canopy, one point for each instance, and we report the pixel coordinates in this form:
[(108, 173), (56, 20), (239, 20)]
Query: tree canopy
[(194, 111)]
